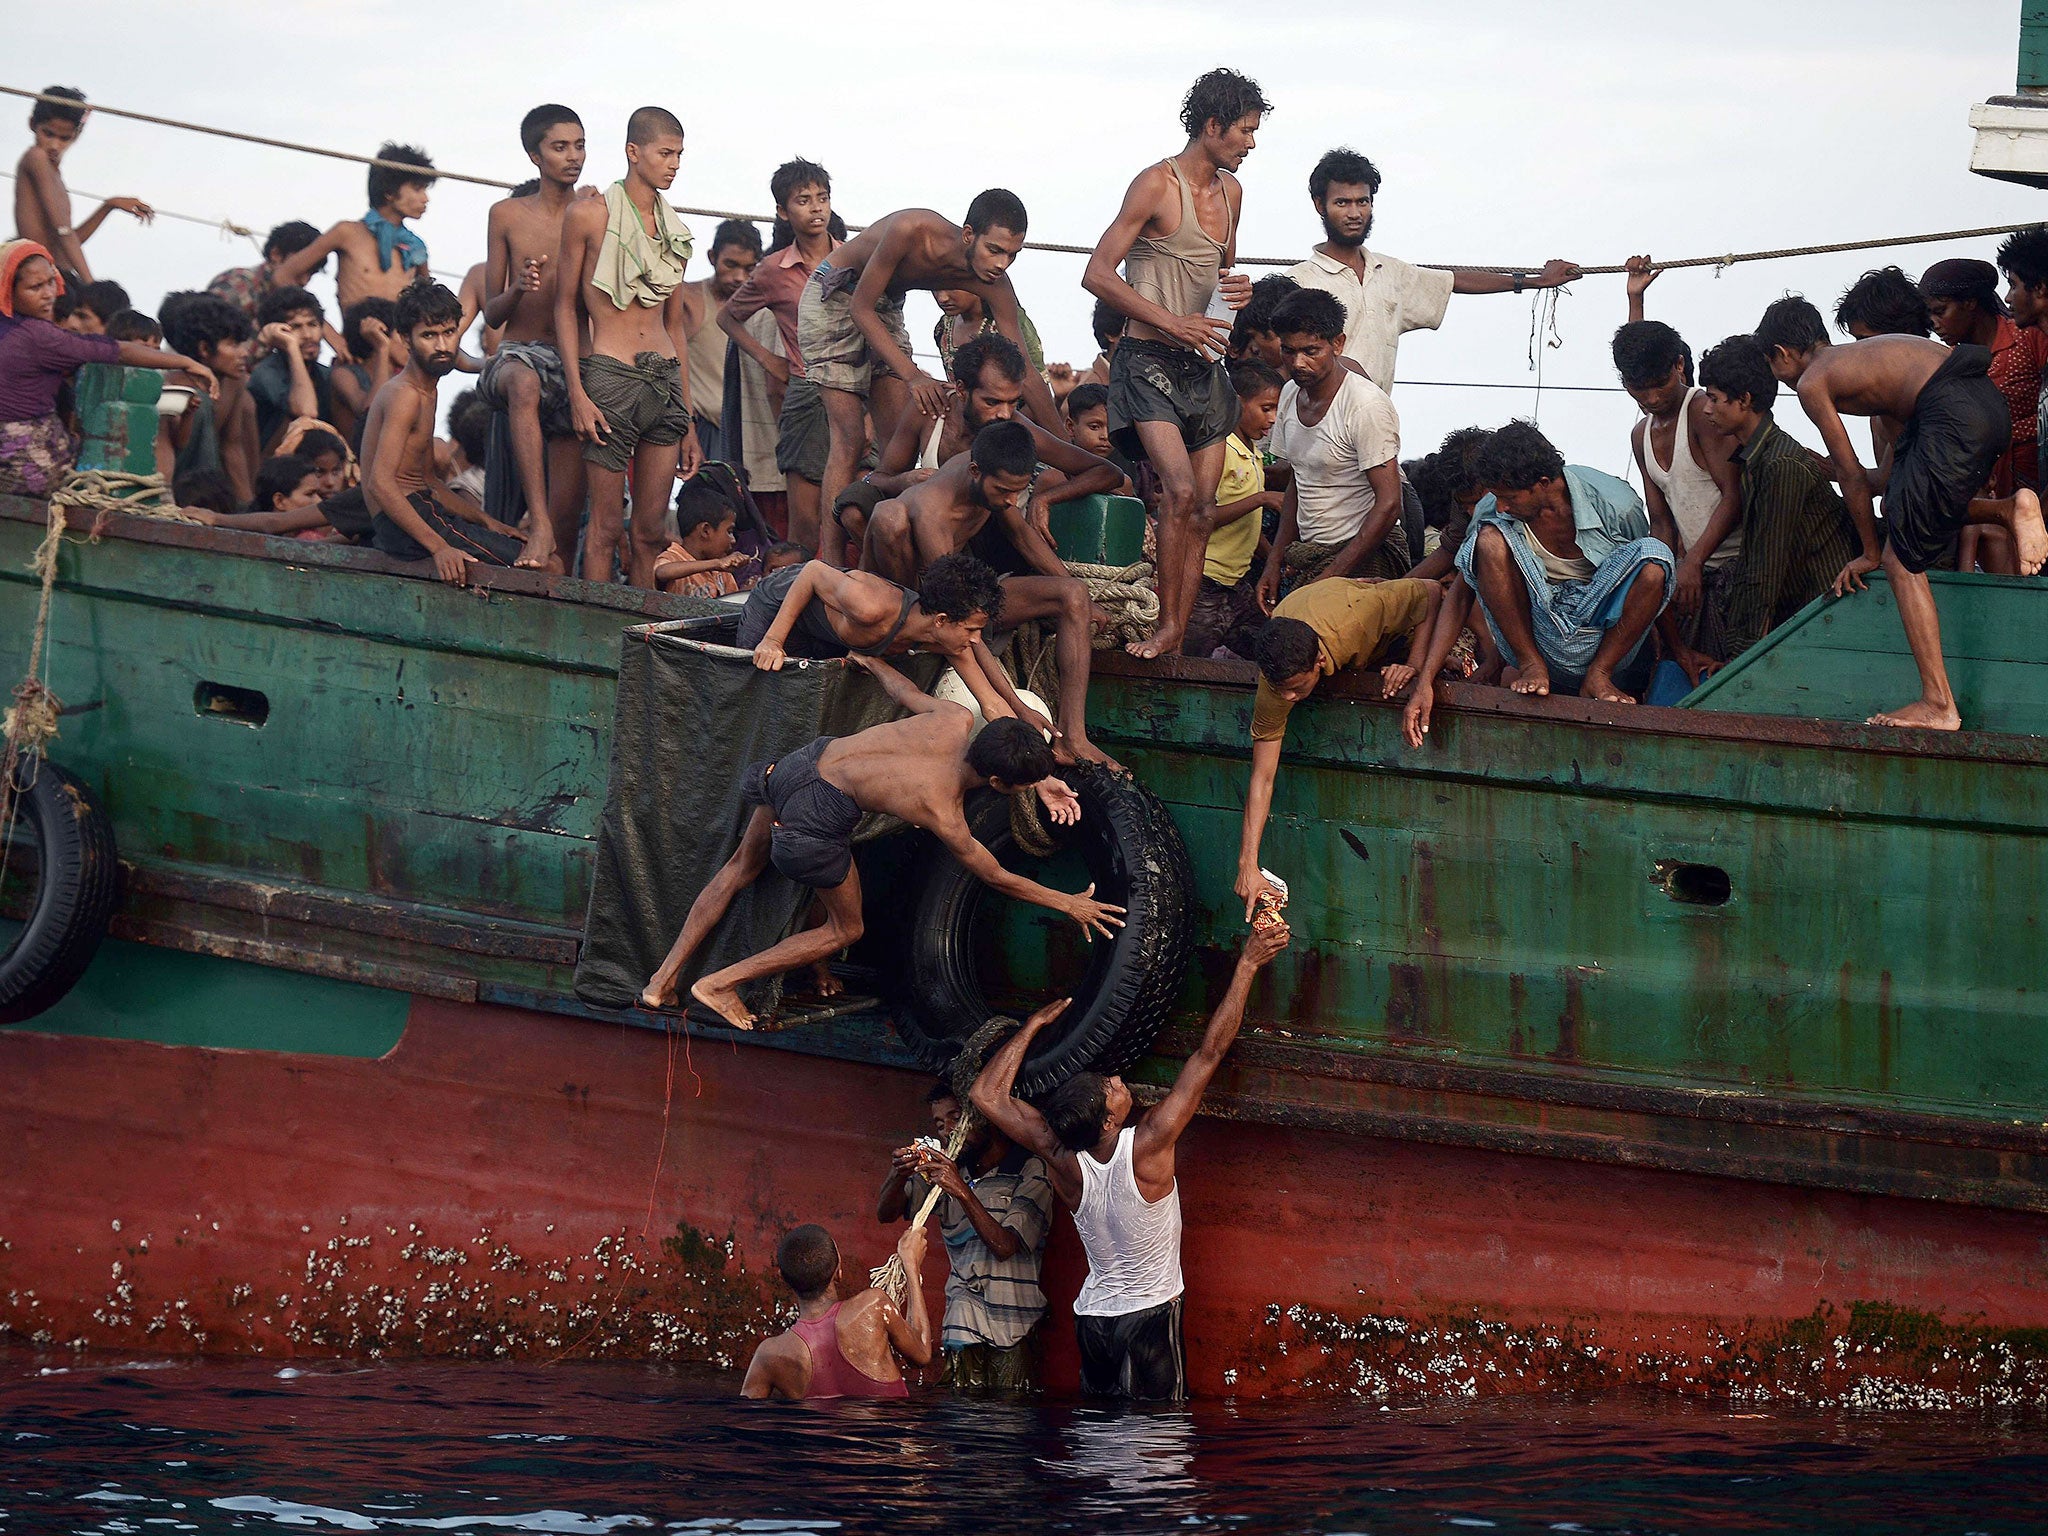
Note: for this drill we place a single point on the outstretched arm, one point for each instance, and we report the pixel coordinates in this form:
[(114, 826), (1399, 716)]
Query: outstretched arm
[(1450, 621), (910, 1330), (295, 269), (1854, 479), (1086, 475), (1160, 1129), (903, 693), (1555, 274), (1093, 916), (992, 1097)]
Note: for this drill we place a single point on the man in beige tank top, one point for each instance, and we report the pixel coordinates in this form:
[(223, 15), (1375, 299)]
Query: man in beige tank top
[(735, 247), (1169, 397)]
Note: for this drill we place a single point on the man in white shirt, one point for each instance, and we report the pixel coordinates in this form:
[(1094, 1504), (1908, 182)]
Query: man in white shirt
[(1383, 297), (1338, 429)]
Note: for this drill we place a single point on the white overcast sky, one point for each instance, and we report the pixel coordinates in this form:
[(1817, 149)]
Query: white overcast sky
[(1507, 133)]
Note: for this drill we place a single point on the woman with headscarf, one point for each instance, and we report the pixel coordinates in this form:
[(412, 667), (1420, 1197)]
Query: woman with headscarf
[(1962, 299), (36, 357)]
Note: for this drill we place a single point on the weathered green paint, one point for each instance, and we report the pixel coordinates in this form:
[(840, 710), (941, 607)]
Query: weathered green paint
[(1099, 530), (141, 992), (1848, 659), (2033, 70), (117, 410)]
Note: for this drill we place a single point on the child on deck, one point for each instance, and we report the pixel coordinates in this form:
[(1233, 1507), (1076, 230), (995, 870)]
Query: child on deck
[(378, 256), (1087, 408), (87, 311), (1227, 604), (701, 560), (42, 206)]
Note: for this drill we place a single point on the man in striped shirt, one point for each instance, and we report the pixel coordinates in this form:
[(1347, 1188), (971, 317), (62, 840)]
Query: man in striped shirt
[(994, 1212)]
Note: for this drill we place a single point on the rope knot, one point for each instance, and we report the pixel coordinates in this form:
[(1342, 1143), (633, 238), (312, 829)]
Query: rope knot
[(31, 721)]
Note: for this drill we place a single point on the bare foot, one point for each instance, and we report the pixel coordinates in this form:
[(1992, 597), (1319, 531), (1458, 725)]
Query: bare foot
[(659, 993), (1486, 672), (724, 1002), (1534, 678), (1603, 689), (1164, 641), (539, 553), (824, 982), (1081, 749), (2031, 534), (1921, 715)]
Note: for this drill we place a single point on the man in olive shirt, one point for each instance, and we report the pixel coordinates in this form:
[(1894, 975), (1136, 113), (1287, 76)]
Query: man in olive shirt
[(1315, 631)]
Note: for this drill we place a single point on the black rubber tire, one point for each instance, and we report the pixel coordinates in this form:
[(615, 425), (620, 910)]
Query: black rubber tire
[(78, 880), (1135, 857)]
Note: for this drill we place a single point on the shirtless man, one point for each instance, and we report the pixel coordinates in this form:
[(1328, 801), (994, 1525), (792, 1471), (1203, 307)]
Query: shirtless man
[(525, 380), (42, 205), (1169, 397), (1949, 423), (975, 503), (807, 804), (817, 611), (377, 256), (415, 516), (841, 1345), (622, 263), (850, 323)]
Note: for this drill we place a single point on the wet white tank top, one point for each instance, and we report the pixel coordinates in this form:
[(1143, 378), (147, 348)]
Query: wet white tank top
[(1689, 491), (1133, 1243)]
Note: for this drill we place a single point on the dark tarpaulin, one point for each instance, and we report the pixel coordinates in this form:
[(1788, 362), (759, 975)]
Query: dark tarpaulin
[(690, 718)]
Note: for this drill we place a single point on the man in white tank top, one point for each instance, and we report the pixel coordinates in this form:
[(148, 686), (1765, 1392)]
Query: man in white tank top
[(1117, 1175), (1691, 486)]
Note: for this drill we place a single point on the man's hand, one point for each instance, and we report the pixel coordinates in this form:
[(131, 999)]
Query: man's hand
[(1268, 589), (939, 1170), (777, 368), (1394, 677), (1093, 916), (1251, 885), (769, 656), (1556, 274), (1236, 289), (690, 454), (1264, 942), (1060, 802), (587, 418), (1850, 578), (1685, 590), (1048, 1013), (933, 396), (1640, 275), (1696, 665), (530, 273), (278, 337), (452, 565), (904, 1159), (135, 206), (910, 1249), (1415, 718), (1199, 333), (201, 371)]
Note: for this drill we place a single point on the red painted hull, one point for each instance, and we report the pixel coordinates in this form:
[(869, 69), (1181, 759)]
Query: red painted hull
[(486, 1189)]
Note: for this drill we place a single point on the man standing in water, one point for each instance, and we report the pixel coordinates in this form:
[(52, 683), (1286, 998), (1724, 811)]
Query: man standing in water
[(841, 1346), (621, 266), (1169, 397), (1118, 1177)]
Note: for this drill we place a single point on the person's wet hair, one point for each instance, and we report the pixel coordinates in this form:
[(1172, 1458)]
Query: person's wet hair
[(1221, 96), (1009, 750), (288, 239), (385, 182), (2024, 256), (1249, 377), (1309, 312), (286, 304), (1285, 648), (1345, 168), (1517, 457), (1791, 323), (997, 208), (208, 490), (133, 325), (425, 304), (701, 504), (1107, 322), (57, 111), (1457, 458), (991, 347), (1077, 1110), (1884, 301), (105, 298), (808, 1259), (957, 586), (1645, 352), (739, 232), (1740, 366), (352, 318), (469, 423), (194, 323), (1004, 448), (650, 123), (279, 475), (535, 125)]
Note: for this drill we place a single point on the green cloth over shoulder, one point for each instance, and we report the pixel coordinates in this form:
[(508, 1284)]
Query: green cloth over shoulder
[(634, 267)]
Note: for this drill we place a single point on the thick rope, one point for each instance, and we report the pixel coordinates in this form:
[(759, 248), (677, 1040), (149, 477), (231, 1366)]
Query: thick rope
[(1729, 260)]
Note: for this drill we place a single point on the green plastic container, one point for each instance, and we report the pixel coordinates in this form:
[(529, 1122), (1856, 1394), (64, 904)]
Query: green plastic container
[(117, 412), (1100, 530)]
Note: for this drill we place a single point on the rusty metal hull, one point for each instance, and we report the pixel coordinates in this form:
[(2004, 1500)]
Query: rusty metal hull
[(511, 1183)]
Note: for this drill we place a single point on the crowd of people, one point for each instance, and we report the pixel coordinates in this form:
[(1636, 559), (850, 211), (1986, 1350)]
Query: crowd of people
[(867, 506)]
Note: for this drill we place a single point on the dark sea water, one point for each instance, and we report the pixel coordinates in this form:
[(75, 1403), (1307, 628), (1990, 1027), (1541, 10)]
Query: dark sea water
[(141, 1447)]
